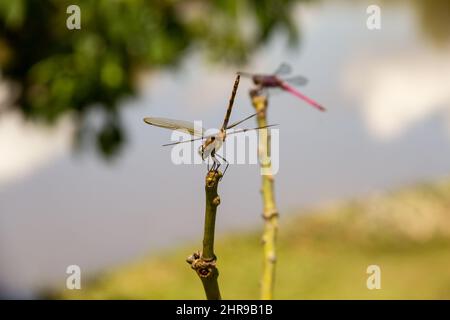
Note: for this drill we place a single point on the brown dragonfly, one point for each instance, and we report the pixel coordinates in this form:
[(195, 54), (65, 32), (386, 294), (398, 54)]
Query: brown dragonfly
[(212, 143), (278, 80)]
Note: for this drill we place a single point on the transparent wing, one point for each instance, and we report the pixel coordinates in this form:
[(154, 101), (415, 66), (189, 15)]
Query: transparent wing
[(240, 121), (270, 92), (283, 69), (179, 125), (297, 80), (228, 133), (186, 141), (251, 129)]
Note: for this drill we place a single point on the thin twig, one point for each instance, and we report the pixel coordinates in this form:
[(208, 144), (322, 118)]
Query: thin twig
[(270, 212), (204, 263)]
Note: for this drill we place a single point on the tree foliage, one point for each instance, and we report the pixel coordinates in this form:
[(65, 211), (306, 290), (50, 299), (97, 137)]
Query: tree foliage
[(63, 71)]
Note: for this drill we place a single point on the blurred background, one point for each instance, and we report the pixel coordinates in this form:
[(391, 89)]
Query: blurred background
[(84, 181)]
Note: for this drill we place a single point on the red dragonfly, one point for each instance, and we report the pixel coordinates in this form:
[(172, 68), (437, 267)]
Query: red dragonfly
[(276, 80)]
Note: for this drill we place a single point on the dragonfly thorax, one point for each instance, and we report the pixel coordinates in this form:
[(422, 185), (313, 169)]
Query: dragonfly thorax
[(266, 81), (211, 144)]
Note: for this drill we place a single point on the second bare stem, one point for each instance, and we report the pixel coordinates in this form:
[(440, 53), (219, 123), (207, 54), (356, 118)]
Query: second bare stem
[(270, 212)]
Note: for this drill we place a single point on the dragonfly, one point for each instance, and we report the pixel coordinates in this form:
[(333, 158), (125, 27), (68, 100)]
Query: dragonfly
[(213, 142), (279, 80)]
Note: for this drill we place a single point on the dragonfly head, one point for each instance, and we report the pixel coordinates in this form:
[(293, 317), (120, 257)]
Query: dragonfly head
[(222, 135), (201, 151), (258, 79)]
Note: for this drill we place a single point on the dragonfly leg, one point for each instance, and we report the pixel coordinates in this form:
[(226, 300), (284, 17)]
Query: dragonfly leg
[(216, 163), (226, 163)]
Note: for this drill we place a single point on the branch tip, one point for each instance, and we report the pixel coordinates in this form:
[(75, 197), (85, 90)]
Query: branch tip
[(212, 178), (204, 262)]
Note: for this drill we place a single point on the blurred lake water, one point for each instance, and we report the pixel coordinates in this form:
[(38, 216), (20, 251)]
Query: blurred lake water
[(387, 125)]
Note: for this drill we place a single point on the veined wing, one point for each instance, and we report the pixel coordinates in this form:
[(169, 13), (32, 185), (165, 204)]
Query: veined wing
[(297, 80), (283, 69), (240, 121), (187, 141), (178, 125), (251, 129), (228, 133)]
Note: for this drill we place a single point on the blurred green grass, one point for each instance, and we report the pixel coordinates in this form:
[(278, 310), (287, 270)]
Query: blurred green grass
[(323, 254)]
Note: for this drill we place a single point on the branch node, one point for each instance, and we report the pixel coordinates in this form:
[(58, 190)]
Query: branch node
[(204, 262), (272, 258), (269, 215), (203, 267), (193, 257), (212, 178), (216, 201)]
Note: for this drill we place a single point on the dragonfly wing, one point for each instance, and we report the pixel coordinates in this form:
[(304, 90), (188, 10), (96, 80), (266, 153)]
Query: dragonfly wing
[(274, 91), (178, 125), (251, 129), (240, 121), (283, 69), (297, 80)]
